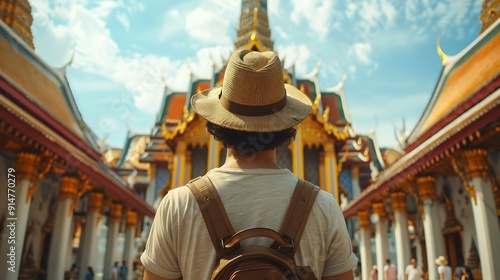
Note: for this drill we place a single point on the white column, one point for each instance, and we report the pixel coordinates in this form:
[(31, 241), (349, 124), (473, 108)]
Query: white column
[(432, 230), (90, 238), (179, 165), (401, 232), (113, 229), (484, 211), (58, 249), (25, 176), (356, 190), (381, 238), (69, 250), (365, 245), (487, 228), (129, 253)]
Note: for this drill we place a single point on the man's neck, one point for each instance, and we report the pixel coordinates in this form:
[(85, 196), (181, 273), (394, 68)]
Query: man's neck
[(262, 159)]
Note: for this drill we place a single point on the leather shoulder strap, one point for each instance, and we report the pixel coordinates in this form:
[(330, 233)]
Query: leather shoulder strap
[(218, 225), (298, 211)]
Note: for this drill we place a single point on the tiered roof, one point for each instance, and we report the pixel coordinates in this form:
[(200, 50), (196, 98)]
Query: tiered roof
[(465, 101), (37, 100)]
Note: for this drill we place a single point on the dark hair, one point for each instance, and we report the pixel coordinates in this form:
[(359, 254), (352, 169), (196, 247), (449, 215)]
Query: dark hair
[(250, 142), (469, 273), (91, 271)]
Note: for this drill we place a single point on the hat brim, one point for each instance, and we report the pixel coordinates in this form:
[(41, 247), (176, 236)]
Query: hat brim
[(297, 108)]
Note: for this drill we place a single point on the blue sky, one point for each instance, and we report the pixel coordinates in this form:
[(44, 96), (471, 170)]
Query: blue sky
[(124, 51)]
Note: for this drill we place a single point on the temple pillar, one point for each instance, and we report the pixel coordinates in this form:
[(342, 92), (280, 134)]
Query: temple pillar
[(115, 214), (432, 230), (321, 167), (381, 238), (24, 183), (331, 171), (129, 253), (401, 231), (213, 158), (179, 169), (298, 154), (189, 166), (484, 210), (64, 215), (356, 189), (89, 242), (365, 244), (69, 250)]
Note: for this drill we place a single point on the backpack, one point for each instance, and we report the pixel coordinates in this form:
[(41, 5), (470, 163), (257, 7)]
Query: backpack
[(255, 262)]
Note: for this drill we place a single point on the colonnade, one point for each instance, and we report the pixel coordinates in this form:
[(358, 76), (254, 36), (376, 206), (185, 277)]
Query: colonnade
[(30, 167), (472, 167)]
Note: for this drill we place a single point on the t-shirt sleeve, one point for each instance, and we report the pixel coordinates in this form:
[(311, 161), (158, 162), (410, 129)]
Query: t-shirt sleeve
[(340, 257), (159, 255)]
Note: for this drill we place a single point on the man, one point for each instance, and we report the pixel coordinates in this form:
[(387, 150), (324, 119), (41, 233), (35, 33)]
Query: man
[(252, 114), (124, 271), (390, 272), (413, 271)]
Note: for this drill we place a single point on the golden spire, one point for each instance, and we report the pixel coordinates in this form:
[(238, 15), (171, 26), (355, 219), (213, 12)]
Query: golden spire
[(17, 15), (254, 32)]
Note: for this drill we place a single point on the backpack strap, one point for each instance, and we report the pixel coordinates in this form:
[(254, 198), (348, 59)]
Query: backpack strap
[(218, 225), (296, 216)]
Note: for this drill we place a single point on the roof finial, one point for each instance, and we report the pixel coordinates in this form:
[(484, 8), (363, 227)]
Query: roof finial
[(440, 51), (315, 71)]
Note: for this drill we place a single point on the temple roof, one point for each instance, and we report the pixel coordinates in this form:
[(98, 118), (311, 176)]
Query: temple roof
[(37, 101), (22, 68), (334, 98), (135, 145), (464, 105), (461, 78)]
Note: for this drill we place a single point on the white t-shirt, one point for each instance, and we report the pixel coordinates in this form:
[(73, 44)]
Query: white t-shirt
[(446, 270), (414, 273), (179, 243)]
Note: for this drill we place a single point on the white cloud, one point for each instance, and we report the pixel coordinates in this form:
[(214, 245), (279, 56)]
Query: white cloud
[(316, 13), (361, 51), (172, 24), (273, 7), (123, 19), (297, 55), (200, 24)]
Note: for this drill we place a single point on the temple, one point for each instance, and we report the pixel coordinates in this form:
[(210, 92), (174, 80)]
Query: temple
[(57, 191), (80, 201), (440, 195)]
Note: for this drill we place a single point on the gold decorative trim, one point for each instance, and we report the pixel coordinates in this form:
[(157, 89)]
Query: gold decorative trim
[(379, 209), (475, 163), (426, 188), (131, 219), (95, 202), (115, 212), (399, 201), (364, 219)]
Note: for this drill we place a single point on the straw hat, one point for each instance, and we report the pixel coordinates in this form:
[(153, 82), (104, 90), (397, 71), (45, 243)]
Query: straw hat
[(253, 96), (441, 261)]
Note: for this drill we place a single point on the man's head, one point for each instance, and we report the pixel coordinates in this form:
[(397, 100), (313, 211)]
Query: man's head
[(253, 96), (388, 261), (413, 262)]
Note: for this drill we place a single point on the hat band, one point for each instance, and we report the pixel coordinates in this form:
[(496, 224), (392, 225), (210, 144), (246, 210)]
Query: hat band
[(248, 110)]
